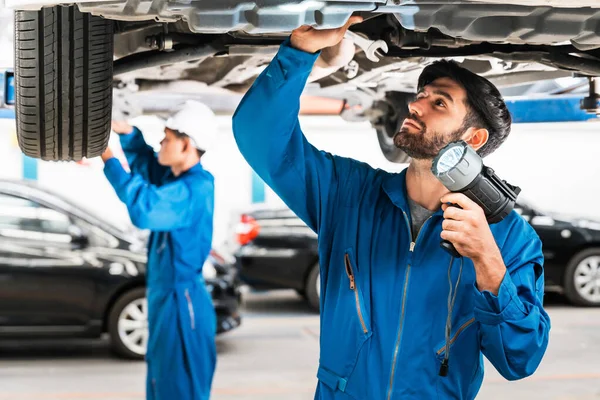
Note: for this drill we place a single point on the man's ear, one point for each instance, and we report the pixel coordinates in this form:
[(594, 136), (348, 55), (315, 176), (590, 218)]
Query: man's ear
[(478, 138), (186, 144)]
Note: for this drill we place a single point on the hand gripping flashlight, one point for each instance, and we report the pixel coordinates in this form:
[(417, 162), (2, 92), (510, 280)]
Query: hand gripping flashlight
[(461, 170)]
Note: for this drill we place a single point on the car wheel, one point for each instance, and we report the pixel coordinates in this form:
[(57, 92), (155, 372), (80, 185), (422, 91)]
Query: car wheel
[(582, 278), (128, 325), (390, 114), (63, 83), (313, 287)]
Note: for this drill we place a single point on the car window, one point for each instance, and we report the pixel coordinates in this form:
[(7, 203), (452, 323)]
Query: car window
[(26, 219), (97, 236)]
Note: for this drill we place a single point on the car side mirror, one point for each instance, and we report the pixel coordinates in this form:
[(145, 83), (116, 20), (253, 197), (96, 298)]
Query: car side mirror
[(78, 237)]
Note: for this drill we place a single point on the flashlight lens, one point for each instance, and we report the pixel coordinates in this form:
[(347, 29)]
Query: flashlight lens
[(450, 159)]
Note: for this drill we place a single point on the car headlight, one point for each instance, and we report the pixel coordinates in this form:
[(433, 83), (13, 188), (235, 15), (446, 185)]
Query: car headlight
[(209, 271)]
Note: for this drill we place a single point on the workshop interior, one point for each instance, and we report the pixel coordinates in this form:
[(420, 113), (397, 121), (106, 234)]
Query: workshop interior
[(132, 242)]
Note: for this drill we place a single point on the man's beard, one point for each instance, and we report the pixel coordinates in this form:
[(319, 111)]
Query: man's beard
[(424, 145)]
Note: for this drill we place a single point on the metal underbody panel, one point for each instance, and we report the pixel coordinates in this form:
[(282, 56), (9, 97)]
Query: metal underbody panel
[(455, 25), (532, 22)]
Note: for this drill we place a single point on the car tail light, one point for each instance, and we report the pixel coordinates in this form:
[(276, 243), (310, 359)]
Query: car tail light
[(247, 230)]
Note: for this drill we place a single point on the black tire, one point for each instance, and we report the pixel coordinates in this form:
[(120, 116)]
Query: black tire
[(569, 279), (312, 294), (394, 109), (117, 345), (389, 150), (301, 292), (63, 83)]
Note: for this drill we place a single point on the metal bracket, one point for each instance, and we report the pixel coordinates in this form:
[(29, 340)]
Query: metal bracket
[(591, 103)]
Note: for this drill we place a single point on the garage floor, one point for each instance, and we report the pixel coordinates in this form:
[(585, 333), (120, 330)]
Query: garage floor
[(274, 356)]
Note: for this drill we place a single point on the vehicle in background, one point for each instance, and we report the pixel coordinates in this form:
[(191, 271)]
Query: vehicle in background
[(278, 250), (154, 54), (67, 273)]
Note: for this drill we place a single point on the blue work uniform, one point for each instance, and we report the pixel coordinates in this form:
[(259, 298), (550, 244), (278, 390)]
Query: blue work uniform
[(181, 355), (384, 298)]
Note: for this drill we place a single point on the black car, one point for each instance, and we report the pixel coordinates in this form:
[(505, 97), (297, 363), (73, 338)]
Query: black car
[(277, 250), (66, 273)]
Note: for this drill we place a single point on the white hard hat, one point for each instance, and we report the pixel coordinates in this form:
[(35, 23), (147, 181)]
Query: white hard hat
[(198, 122)]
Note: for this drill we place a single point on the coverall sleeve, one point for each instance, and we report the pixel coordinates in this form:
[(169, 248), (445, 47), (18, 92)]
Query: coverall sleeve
[(150, 207), (141, 158), (268, 134), (514, 326)]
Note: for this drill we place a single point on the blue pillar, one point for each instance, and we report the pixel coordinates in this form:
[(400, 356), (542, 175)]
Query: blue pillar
[(258, 189), (30, 168)]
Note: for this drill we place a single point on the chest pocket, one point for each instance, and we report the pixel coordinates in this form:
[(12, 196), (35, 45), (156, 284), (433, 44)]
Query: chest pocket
[(346, 323)]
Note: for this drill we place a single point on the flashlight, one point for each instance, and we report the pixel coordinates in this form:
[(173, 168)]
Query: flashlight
[(461, 170)]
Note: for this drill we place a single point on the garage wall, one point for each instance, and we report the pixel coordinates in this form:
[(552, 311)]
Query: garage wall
[(555, 164)]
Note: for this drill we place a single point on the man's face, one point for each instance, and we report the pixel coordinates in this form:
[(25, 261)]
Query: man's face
[(171, 149), (435, 119)]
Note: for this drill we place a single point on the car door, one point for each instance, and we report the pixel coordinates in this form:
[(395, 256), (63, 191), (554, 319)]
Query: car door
[(46, 280), (559, 238), (282, 252)]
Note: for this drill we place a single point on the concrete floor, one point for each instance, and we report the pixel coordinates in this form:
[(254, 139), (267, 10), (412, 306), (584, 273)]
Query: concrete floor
[(274, 356)]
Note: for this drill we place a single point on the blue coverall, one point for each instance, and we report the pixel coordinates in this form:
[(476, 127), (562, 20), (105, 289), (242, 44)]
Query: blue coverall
[(384, 298), (181, 355)]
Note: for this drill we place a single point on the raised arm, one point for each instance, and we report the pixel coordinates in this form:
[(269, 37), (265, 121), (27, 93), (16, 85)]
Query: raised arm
[(268, 133), (140, 156)]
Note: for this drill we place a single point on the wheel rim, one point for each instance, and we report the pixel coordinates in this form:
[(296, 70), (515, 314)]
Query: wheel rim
[(133, 326), (587, 279)]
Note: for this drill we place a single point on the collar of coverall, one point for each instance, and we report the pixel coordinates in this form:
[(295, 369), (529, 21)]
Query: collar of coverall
[(394, 185)]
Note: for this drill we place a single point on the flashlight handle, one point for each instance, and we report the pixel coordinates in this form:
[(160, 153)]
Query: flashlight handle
[(447, 245)]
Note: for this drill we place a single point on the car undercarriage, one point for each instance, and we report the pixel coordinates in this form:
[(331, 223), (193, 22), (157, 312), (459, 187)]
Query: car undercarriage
[(185, 47)]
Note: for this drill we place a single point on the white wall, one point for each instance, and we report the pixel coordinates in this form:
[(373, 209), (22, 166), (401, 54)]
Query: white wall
[(555, 164)]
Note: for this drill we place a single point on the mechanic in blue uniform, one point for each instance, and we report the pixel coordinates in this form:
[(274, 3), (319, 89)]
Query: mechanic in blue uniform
[(172, 195), (400, 318)]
